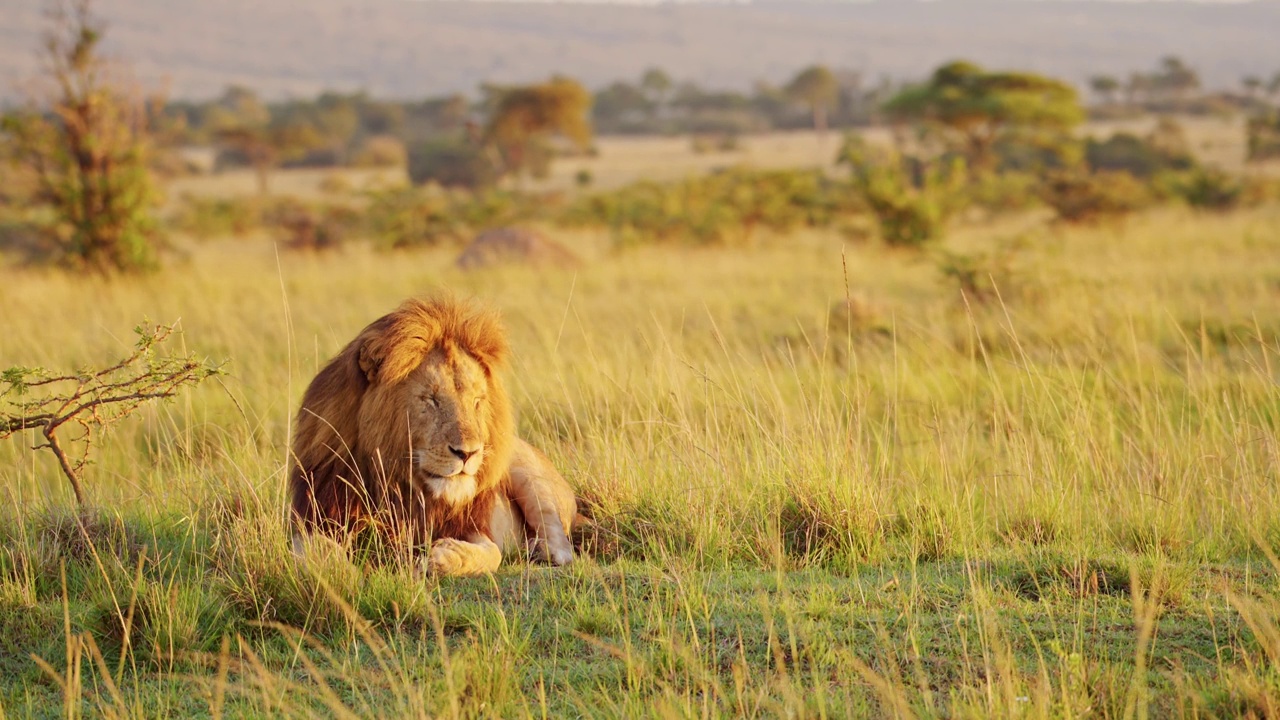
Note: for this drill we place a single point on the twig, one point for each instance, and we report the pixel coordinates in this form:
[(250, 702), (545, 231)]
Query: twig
[(94, 399)]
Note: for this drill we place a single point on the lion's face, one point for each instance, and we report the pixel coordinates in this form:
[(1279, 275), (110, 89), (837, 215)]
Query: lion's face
[(442, 414)]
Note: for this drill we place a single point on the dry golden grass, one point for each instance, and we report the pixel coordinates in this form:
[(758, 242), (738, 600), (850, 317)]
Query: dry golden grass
[(1047, 501)]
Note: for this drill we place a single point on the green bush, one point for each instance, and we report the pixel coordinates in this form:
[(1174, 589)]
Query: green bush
[(1032, 151), (1004, 192), (452, 163), (206, 218), (417, 217), (1081, 197), (406, 218), (318, 229), (715, 209), (910, 198), (1141, 158), (1211, 189), (1263, 134)]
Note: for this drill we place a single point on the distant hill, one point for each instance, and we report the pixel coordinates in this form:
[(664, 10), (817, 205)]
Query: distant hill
[(404, 48)]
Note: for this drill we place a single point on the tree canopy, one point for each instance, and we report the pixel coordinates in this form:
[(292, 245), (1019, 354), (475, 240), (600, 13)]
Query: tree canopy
[(817, 87), (523, 116), (976, 107)]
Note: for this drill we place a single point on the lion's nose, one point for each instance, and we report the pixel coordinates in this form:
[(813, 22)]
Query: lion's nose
[(464, 454)]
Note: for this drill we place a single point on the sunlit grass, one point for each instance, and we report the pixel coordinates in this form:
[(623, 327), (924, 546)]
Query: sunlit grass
[(1048, 502)]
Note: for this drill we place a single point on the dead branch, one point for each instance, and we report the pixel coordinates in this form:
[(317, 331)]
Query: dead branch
[(94, 399)]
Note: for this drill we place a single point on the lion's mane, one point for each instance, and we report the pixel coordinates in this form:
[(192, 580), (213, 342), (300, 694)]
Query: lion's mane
[(339, 483)]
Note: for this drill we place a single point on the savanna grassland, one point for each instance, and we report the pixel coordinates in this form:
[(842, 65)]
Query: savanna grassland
[(824, 482)]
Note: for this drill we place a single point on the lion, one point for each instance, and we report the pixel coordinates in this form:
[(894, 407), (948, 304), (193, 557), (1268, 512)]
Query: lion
[(409, 431)]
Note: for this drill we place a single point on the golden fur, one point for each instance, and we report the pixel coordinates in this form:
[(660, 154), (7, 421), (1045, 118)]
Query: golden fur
[(409, 428)]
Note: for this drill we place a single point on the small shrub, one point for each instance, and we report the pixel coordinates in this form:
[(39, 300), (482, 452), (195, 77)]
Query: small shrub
[(910, 198), (452, 163), (1004, 192), (1211, 189), (410, 218), (1163, 151), (416, 217), (307, 229), (1263, 137), (207, 218), (380, 151), (715, 209), (1079, 197)]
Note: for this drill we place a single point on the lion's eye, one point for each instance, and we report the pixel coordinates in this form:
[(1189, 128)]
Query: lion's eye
[(432, 401)]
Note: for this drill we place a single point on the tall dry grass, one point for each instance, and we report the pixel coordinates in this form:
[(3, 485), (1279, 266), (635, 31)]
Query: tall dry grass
[(824, 480)]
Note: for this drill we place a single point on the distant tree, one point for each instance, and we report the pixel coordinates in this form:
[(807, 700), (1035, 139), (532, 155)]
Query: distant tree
[(622, 105), (523, 118), (1273, 86), (851, 103), (86, 145), (1252, 85), (335, 120), (657, 85), (1105, 87), (1138, 88), (772, 104), (244, 125), (974, 108), (815, 86), (1176, 78), (717, 112), (381, 118), (1164, 149), (435, 116)]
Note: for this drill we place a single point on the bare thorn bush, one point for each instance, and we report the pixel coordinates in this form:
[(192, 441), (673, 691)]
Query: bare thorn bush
[(93, 400)]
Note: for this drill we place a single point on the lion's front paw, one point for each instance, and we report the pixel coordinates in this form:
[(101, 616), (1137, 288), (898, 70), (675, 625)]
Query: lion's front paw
[(557, 555), (449, 556)]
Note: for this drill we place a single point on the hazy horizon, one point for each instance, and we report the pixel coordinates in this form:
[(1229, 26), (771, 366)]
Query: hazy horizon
[(416, 48)]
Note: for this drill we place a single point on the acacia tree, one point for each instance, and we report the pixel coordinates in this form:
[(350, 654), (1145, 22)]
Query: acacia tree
[(1106, 87), (817, 87), (976, 108), (1175, 78), (86, 145), (523, 118), (656, 85)]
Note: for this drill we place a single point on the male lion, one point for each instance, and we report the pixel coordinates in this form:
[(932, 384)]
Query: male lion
[(409, 430)]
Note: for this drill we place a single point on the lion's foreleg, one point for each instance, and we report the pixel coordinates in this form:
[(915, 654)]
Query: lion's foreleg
[(548, 507), (477, 555)]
